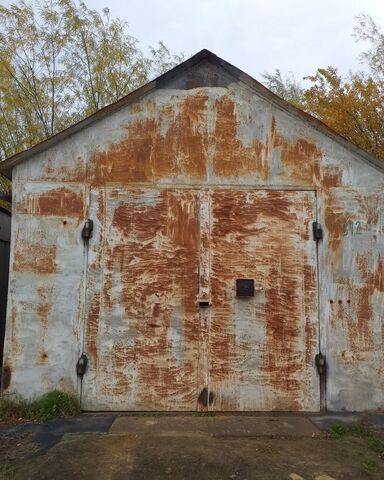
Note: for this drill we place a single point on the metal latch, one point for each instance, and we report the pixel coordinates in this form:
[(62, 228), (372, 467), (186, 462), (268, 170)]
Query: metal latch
[(81, 366), (204, 303), (317, 231), (320, 363), (87, 230)]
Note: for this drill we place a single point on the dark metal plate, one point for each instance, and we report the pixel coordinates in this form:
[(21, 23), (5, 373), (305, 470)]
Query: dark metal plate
[(245, 287)]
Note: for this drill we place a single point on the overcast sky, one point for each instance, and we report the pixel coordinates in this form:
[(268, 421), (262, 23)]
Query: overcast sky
[(254, 35)]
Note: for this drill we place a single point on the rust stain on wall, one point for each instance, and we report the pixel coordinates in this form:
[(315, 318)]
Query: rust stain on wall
[(354, 317), (338, 214), (5, 377), (93, 327), (55, 202), (150, 268), (174, 144), (44, 307), (43, 358), (34, 257), (330, 177), (352, 217), (244, 224), (335, 217), (232, 158), (361, 331), (43, 310), (147, 154), (14, 341), (54, 170), (300, 158)]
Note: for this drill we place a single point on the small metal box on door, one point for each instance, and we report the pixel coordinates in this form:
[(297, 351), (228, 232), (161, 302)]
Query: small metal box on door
[(245, 287)]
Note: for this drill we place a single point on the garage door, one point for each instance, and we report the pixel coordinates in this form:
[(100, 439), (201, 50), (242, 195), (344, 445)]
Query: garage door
[(201, 300)]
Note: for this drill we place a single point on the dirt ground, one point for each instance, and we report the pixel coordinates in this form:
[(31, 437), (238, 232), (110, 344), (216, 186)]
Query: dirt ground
[(141, 449)]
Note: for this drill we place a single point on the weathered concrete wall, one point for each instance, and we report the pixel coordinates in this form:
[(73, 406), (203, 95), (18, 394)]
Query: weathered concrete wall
[(227, 136), (352, 296), (45, 291)]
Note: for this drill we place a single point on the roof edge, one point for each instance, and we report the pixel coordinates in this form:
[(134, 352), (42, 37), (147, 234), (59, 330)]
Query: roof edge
[(7, 165)]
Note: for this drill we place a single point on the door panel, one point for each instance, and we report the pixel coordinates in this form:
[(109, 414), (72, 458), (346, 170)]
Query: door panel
[(165, 329), (262, 348), (143, 327)]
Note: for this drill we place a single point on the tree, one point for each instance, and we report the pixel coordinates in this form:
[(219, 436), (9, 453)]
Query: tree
[(367, 30), (353, 106), (286, 87), (5, 191), (102, 62), (61, 61)]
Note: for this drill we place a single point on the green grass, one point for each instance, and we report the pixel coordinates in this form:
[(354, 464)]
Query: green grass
[(52, 404), (369, 465), (339, 430), (6, 470), (374, 442)]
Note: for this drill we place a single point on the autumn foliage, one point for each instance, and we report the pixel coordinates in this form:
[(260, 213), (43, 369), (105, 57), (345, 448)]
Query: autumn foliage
[(354, 105)]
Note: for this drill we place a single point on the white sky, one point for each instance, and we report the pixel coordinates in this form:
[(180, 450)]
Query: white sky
[(255, 35)]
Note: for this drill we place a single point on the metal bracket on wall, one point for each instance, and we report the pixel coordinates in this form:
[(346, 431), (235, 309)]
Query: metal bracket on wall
[(321, 365), (317, 231), (87, 230), (81, 366)]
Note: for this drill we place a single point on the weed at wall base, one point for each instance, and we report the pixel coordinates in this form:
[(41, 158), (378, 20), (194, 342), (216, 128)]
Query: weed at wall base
[(51, 404)]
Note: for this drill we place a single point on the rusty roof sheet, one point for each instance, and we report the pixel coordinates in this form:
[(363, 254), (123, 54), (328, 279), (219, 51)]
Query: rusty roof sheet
[(7, 165)]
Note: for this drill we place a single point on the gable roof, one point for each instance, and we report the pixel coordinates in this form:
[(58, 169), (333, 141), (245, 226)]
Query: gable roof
[(7, 165)]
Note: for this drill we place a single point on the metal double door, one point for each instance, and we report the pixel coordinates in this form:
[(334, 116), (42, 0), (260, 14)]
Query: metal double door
[(201, 299)]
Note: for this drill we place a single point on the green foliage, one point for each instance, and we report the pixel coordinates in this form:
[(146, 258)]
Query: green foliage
[(52, 404), (61, 61), (5, 188), (368, 31), (286, 87), (338, 430), (369, 465), (376, 444), (373, 441), (352, 106)]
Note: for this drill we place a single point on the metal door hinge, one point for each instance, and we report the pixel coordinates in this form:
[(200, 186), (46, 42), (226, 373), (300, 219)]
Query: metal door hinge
[(321, 363), (81, 366), (87, 230), (317, 231)]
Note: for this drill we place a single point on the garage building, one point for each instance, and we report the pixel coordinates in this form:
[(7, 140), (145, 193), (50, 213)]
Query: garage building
[(199, 245)]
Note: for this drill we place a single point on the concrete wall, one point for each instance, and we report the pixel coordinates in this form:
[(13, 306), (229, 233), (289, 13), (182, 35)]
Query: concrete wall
[(177, 136)]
